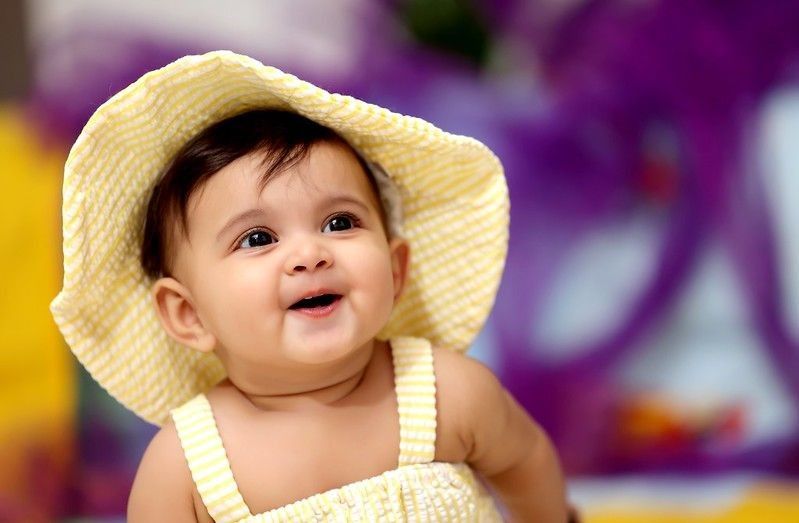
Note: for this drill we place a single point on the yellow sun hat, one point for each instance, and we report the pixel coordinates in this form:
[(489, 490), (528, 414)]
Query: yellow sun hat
[(454, 206)]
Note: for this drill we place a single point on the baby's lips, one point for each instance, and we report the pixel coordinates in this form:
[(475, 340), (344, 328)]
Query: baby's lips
[(321, 300), (310, 293)]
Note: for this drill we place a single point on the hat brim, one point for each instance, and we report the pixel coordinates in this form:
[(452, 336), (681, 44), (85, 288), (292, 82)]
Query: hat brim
[(454, 203)]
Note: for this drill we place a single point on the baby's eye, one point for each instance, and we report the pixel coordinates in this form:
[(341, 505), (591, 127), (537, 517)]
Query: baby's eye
[(257, 238), (340, 222)]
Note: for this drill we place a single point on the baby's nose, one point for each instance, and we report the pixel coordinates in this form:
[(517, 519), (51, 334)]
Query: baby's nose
[(320, 264), (309, 257)]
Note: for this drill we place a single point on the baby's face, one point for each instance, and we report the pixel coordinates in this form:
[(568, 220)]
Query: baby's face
[(299, 273)]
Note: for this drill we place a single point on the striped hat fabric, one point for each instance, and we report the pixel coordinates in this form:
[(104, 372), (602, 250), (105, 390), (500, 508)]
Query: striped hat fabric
[(454, 205)]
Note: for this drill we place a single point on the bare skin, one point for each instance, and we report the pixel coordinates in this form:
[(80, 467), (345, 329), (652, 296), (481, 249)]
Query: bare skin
[(478, 423)]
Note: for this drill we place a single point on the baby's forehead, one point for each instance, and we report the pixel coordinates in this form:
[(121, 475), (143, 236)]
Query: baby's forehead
[(326, 169)]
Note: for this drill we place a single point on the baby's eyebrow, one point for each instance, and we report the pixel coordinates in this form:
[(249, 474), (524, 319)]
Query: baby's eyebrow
[(345, 198), (247, 215)]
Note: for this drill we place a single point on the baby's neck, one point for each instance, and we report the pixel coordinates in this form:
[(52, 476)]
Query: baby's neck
[(318, 395)]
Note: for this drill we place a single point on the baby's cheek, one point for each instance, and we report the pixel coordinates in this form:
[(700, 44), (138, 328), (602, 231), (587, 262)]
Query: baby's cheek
[(245, 300), (378, 278)]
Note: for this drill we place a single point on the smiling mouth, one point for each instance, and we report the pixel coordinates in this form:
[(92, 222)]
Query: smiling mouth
[(316, 302)]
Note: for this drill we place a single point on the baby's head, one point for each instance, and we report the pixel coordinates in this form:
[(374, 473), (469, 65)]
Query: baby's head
[(246, 225), (269, 245)]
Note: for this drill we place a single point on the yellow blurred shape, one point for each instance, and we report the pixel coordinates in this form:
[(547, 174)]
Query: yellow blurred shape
[(37, 383), (763, 502)]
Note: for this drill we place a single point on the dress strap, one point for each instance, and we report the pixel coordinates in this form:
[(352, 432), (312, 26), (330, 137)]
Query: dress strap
[(415, 384), (208, 461)]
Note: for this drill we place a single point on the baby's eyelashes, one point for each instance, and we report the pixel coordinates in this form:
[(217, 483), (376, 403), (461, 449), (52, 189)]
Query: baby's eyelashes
[(340, 222), (260, 237), (256, 238)]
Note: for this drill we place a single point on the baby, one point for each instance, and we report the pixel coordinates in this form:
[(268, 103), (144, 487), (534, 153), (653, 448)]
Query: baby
[(316, 265)]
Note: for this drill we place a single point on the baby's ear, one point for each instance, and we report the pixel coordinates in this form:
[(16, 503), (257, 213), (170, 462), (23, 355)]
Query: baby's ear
[(178, 315), (400, 264)]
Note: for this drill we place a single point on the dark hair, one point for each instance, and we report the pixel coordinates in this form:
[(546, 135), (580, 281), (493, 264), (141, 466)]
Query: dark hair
[(284, 137)]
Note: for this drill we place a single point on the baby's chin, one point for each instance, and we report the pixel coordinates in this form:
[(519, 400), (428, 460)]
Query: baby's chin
[(319, 350)]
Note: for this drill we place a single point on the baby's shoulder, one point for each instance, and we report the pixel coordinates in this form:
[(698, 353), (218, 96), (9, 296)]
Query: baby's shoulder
[(462, 376), (163, 487), (465, 389)]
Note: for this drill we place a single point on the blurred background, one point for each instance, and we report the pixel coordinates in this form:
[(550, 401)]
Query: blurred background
[(649, 312)]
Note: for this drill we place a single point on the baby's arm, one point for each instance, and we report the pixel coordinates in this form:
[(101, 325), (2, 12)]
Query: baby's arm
[(162, 489), (499, 440)]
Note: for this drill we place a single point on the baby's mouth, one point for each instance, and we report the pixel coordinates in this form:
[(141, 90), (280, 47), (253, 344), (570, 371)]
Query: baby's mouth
[(316, 302)]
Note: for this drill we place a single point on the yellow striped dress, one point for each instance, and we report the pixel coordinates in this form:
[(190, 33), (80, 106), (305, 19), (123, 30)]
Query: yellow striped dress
[(419, 489)]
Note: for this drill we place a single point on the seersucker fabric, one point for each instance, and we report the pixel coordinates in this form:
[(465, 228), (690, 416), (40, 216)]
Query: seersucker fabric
[(419, 489)]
